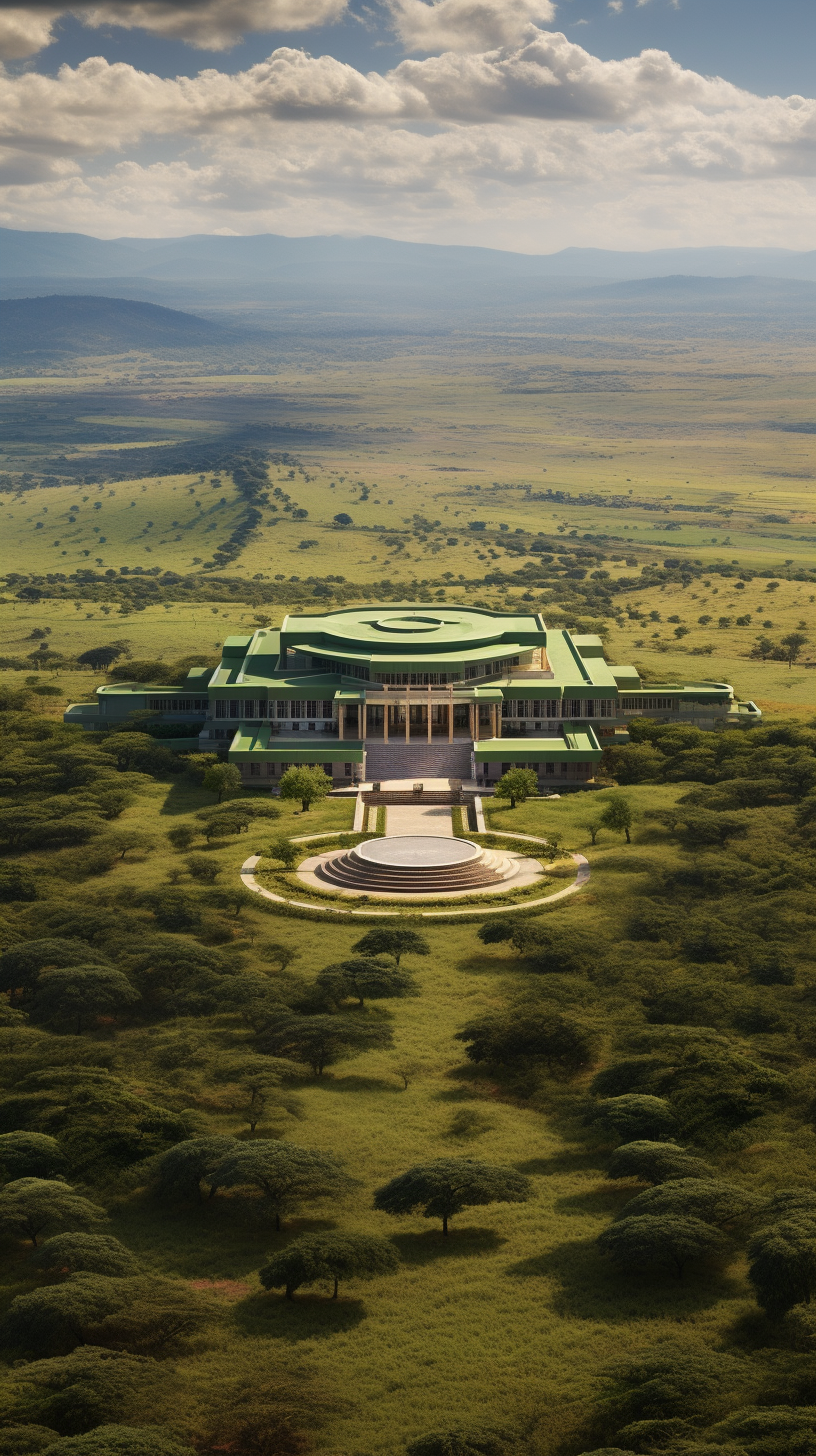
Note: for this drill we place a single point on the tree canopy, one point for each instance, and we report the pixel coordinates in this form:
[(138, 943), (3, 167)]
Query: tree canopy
[(445, 1186), (321, 1041), (28, 1206), (315, 1258), (531, 1035), (393, 940), (655, 1162), (363, 976), (517, 785), (306, 784), (85, 1253), (658, 1240), (285, 1175), (30, 1155)]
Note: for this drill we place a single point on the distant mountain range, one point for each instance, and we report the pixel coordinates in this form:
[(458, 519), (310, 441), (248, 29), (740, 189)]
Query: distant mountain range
[(370, 261)]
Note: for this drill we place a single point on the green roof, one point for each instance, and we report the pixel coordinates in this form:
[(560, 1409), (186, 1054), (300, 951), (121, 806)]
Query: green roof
[(254, 744), (580, 747)]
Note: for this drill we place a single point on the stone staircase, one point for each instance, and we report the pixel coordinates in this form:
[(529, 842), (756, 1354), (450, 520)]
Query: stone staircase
[(417, 760), (348, 871)]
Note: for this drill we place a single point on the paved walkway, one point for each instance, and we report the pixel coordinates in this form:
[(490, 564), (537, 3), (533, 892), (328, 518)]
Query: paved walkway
[(418, 819)]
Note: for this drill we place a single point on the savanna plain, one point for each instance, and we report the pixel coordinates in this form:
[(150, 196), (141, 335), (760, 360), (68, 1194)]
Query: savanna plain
[(650, 1038)]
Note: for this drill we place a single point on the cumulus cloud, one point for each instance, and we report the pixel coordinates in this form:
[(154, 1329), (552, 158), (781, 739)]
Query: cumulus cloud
[(465, 25), (24, 32), (214, 24), (488, 147)]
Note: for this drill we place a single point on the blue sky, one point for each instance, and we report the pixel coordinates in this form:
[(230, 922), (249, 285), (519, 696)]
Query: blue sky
[(529, 124), (767, 48)]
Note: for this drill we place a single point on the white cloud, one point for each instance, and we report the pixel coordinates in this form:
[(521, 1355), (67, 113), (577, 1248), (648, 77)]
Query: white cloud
[(24, 32), (532, 145), (214, 24), (465, 25)]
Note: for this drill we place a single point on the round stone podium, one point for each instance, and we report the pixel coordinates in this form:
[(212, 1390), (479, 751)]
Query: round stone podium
[(416, 865), (418, 851)]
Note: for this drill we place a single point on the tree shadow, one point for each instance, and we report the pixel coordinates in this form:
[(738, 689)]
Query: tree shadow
[(355, 1082), (311, 1315), (608, 1198), (566, 1160), (586, 1286), (183, 798), (461, 1243)]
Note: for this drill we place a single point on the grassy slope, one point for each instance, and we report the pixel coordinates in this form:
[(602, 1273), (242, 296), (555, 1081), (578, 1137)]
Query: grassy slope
[(517, 1312)]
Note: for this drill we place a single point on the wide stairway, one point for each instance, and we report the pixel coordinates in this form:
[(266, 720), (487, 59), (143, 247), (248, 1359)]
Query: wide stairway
[(385, 871), (417, 760)]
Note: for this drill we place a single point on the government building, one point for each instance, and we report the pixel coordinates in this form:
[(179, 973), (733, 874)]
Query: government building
[(411, 692)]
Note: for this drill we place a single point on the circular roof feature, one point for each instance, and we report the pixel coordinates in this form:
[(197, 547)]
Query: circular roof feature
[(417, 851), (410, 623)]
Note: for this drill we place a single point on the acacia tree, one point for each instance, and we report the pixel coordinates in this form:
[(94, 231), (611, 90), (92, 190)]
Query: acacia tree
[(617, 814), (654, 1240), (561, 1043), (285, 1175), (635, 1115), (79, 995), (307, 784), (444, 1187), (782, 1265), (793, 644), (392, 940), (517, 785), (711, 1200), (30, 1155), (222, 779), (85, 1253), (30, 1205), (328, 1256), (183, 1168), (320, 1041), (363, 976), (653, 1162)]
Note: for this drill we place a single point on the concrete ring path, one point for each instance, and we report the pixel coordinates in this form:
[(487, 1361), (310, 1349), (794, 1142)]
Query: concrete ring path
[(250, 865)]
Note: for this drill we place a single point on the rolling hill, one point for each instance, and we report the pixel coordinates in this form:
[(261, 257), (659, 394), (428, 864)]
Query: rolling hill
[(60, 325)]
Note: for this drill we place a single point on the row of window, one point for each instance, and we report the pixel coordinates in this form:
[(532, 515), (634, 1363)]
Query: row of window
[(557, 708), (546, 768), (490, 669), (178, 705), (280, 708), (329, 664), (280, 768), (659, 705), (416, 679)]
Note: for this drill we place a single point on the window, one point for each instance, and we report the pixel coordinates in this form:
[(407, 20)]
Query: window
[(234, 708), (553, 708), (282, 708), (250, 708), (327, 769), (549, 768), (607, 708), (328, 709), (347, 769), (653, 705), (589, 708), (255, 769), (178, 705), (220, 707), (270, 770), (297, 709)]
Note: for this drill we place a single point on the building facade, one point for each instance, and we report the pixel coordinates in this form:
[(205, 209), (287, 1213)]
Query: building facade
[(409, 692)]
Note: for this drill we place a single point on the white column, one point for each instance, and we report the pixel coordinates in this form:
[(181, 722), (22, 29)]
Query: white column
[(385, 715), (341, 713), (450, 716), (429, 712), (407, 715)]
